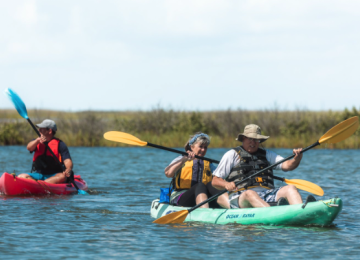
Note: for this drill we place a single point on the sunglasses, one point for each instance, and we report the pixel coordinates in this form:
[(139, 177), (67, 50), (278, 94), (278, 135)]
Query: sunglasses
[(252, 139)]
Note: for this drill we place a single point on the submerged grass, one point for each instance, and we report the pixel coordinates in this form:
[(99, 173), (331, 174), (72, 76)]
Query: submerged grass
[(288, 129)]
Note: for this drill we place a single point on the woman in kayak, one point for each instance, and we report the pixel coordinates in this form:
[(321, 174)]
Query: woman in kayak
[(191, 177)]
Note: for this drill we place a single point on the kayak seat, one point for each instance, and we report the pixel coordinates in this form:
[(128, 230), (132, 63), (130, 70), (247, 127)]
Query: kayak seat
[(281, 202), (309, 198)]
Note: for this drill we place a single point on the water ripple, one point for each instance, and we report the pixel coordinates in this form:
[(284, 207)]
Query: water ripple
[(114, 222)]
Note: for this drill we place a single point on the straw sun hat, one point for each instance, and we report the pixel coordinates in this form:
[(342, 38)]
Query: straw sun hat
[(252, 131)]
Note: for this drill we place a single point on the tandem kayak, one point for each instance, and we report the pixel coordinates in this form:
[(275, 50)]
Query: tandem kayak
[(319, 213), (12, 185)]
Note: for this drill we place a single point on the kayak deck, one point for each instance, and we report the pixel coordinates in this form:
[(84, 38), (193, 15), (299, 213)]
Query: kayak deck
[(12, 185), (321, 213)]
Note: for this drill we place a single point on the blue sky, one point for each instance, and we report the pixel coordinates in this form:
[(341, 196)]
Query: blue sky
[(184, 55)]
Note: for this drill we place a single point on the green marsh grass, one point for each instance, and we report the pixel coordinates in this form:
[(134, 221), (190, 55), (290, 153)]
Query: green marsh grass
[(287, 129)]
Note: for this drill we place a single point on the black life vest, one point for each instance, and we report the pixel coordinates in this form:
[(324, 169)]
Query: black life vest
[(44, 161), (191, 173), (248, 165)]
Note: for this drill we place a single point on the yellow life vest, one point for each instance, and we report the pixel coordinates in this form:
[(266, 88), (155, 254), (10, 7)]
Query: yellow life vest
[(191, 173)]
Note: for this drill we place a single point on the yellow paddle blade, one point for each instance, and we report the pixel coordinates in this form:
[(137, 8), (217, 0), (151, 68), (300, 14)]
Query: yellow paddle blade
[(172, 218), (124, 138), (341, 131), (306, 186)]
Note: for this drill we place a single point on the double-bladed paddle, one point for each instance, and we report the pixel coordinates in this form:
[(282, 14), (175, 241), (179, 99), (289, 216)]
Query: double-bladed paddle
[(125, 138), (336, 134), (132, 140), (21, 108)]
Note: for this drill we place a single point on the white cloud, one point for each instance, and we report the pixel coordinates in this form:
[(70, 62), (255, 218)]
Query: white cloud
[(27, 13), (192, 45), (76, 20)]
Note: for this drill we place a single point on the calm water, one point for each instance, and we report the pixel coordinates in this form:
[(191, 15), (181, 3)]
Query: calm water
[(114, 222)]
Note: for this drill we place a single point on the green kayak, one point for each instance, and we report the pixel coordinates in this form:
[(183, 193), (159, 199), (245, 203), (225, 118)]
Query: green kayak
[(320, 213)]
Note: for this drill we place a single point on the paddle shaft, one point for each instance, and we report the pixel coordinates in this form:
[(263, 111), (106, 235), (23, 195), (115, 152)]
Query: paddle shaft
[(181, 152), (57, 159), (256, 173), (216, 161)]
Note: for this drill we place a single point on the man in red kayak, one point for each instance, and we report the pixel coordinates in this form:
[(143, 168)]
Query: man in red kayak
[(246, 160), (53, 167)]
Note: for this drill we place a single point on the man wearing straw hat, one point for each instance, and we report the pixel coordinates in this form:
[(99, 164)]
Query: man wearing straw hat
[(247, 159)]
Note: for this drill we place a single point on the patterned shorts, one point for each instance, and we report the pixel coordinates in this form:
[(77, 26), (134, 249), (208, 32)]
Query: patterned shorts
[(266, 195)]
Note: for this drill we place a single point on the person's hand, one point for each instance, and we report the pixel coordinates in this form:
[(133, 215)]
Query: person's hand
[(298, 154), (191, 155), (41, 139), (67, 172), (230, 186)]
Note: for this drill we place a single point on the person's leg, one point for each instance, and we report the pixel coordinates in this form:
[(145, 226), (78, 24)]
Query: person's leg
[(250, 198), (201, 194), (57, 178), (32, 176), (221, 202), (291, 193), (191, 197), (25, 176)]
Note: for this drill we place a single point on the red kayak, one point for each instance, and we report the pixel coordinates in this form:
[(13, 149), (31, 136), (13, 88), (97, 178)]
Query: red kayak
[(11, 185)]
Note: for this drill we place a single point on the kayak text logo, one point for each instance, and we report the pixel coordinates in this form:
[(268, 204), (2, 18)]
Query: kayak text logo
[(248, 215), (233, 216), (239, 216)]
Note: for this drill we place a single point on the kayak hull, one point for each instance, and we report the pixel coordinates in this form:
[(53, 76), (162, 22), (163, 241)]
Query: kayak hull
[(12, 185), (319, 213)]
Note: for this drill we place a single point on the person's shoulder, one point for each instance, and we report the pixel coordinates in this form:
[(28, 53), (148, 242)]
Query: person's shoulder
[(61, 142), (230, 154), (234, 151), (176, 159), (62, 145)]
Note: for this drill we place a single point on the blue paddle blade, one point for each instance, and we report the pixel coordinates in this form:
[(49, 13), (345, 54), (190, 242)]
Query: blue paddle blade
[(18, 103), (82, 192)]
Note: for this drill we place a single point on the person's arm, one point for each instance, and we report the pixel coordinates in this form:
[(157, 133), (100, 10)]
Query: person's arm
[(176, 165), (68, 167), (293, 163), (223, 170), (65, 155), (33, 144), (221, 184)]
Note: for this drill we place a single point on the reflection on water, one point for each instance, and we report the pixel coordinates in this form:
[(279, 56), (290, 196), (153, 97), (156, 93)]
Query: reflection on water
[(114, 221)]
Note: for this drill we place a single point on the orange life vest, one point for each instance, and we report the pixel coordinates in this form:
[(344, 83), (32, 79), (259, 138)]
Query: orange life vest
[(43, 158)]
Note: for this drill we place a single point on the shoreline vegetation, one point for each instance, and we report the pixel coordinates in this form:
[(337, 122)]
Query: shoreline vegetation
[(287, 129)]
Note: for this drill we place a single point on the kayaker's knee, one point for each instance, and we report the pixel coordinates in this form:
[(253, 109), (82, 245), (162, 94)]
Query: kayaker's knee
[(248, 194), (200, 189), (56, 179), (292, 188), (23, 175), (223, 201)]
